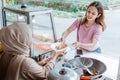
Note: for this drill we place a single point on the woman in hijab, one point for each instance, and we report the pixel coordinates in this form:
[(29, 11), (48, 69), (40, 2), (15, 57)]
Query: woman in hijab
[(15, 63)]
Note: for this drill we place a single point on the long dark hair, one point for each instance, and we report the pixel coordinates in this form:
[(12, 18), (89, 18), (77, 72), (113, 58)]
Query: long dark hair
[(100, 19)]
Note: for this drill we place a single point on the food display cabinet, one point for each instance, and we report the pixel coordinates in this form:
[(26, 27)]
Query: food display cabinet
[(41, 23)]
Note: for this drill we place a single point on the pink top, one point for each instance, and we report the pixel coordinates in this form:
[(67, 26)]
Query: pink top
[(87, 34)]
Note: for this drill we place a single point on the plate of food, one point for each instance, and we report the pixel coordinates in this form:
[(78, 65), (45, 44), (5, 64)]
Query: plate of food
[(58, 47)]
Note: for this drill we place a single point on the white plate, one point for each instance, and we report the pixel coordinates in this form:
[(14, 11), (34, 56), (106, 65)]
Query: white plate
[(53, 46)]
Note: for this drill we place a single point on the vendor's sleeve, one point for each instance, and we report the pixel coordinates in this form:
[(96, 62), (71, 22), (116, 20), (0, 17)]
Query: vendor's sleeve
[(34, 71)]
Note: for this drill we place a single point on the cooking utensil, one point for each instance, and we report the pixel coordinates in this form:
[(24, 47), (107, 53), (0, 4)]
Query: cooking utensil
[(63, 73), (97, 66), (84, 63), (98, 69)]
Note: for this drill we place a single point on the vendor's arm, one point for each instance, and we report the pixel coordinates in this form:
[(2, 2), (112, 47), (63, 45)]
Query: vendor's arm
[(44, 61), (31, 70)]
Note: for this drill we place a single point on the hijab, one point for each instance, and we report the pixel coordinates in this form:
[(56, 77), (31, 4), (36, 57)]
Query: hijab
[(16, 40)]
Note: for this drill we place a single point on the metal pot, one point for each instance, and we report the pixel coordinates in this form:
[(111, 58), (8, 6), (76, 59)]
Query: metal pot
[(62, 74), (97, 66)]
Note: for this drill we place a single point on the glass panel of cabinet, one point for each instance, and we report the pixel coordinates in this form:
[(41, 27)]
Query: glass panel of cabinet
[(41, 23)]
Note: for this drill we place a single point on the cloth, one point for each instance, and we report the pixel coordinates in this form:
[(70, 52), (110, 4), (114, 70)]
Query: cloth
[(87, 34), (15, 63), (98, 50)]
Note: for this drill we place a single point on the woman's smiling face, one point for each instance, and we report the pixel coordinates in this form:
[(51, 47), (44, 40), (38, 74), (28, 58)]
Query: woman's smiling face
[(92, 13)]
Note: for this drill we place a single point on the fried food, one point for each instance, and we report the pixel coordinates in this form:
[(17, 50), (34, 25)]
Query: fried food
[(61, 46)]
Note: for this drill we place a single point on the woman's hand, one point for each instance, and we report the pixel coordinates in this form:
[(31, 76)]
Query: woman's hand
[(77, 44), (62, 40), (44, 61), (59, 40)]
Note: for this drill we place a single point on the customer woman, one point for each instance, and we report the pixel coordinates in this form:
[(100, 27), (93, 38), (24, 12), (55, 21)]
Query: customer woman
[(15, 63), (88, 28)]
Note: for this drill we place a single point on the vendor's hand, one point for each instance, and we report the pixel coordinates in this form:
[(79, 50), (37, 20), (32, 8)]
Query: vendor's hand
[(44, 61), (59, 54)]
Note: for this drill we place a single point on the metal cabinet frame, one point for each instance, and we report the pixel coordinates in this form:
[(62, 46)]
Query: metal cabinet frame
[(28, 12)]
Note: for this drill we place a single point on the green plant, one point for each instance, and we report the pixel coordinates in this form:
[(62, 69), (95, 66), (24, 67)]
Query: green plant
[(11, 2), (56, 1), (74, 8), (83, 7)]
